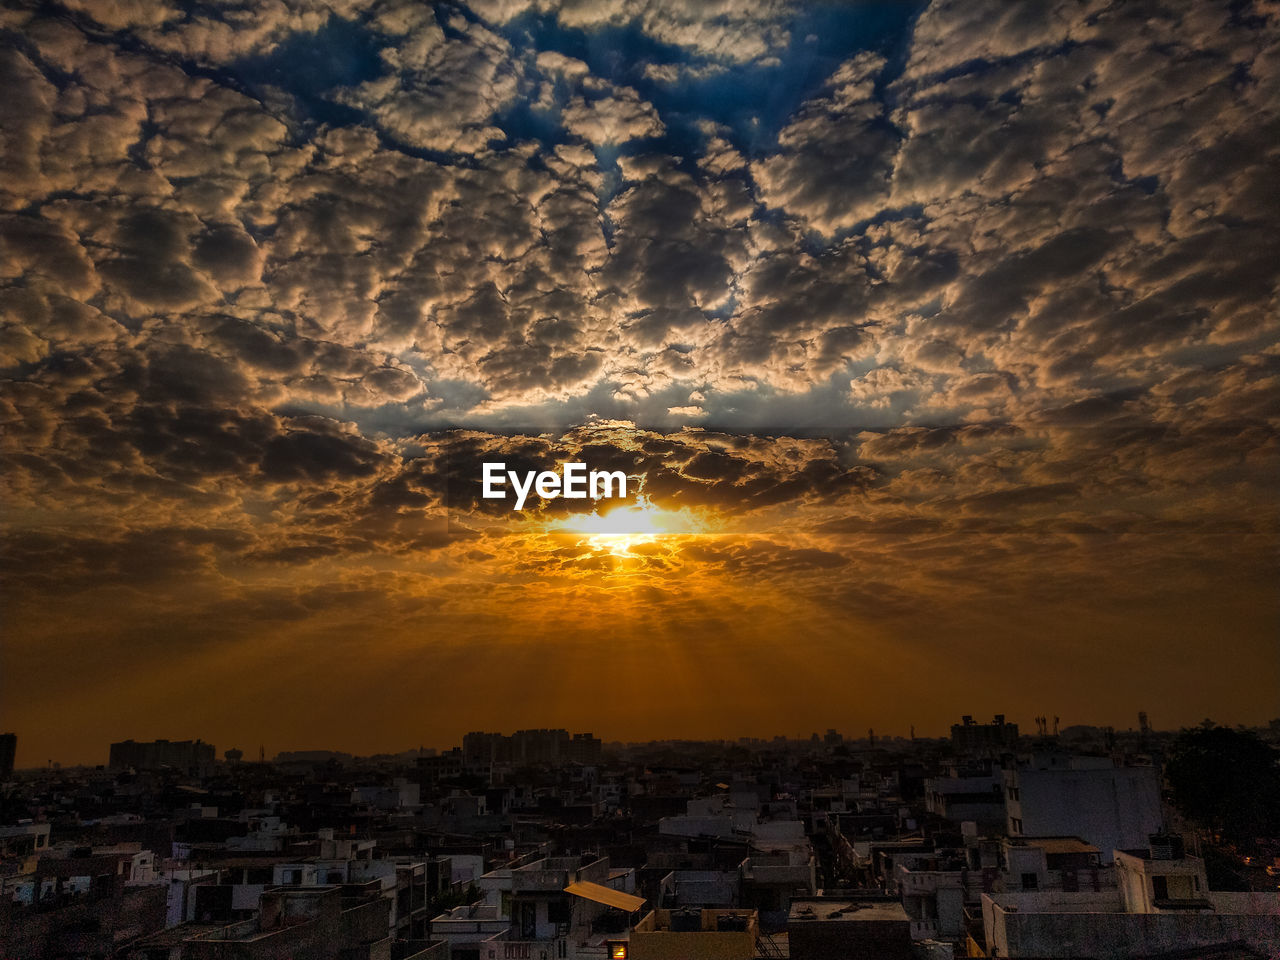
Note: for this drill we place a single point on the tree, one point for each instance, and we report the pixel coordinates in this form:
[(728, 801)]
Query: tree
[(1227, 781)]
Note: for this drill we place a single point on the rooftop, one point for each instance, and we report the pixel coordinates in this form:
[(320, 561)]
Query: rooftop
[(1054, 844), (860, 910)]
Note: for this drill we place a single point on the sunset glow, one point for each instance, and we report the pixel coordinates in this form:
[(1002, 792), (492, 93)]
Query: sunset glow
[(937, 341), (619, 529)]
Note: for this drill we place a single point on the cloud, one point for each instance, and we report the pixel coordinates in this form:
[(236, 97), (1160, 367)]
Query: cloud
[(961, 329), (835, 159), (612, 120), (440, 90), (731, 30)]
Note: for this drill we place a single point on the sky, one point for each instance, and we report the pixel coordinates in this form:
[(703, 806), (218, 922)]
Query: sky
[(939, 341)]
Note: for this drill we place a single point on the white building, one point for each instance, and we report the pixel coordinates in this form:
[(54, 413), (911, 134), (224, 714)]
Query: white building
[(1110, 807), (976, 797), (1162, 904), (549, 907)]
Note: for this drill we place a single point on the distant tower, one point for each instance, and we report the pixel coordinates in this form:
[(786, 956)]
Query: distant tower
[(871, 736), (262, 754), (1144, 726), (234, 755)]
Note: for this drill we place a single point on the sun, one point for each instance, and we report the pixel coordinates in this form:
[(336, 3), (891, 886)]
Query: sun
[(620, 529)]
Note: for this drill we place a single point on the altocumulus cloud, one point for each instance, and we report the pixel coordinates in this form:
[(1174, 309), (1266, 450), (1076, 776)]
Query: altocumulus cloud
[(992, 290)]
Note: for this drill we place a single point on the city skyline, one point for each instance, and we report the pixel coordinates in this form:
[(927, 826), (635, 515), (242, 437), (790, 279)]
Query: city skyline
[(1077, 732), (939, 343)]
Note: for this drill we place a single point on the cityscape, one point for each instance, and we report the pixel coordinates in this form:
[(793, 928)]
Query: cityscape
[(1067, 842), (639, 479)]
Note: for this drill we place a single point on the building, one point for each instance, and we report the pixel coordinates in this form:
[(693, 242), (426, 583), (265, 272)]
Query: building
[(400, 880), (1107, 806), (773, 876), (184, 756), (1161, 905), (444, 766), (401, 794), (302, 923), (8, 751), (704, 934), (584, 748), (823, 928), (81, 906), (982, 738), (553, 905), (1053, 863), (968, 796), (533, 747), (934, 888), (24, 840), (481, 750)]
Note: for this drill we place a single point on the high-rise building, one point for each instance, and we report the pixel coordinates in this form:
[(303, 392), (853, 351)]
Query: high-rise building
[(8, 750), (969, 736), (528, 746), (188, 756), (584, 748), (539, 746), (481, 749)]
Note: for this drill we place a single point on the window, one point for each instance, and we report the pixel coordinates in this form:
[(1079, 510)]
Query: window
[(1030, 881), (1160, 888), (559, 911)]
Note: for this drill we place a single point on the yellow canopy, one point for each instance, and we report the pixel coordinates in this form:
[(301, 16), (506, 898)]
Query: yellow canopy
[(605, 895)]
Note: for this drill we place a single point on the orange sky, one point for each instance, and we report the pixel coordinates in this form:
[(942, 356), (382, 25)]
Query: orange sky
[(944, 335)]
